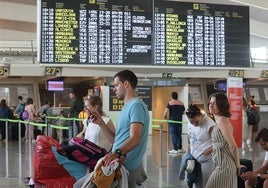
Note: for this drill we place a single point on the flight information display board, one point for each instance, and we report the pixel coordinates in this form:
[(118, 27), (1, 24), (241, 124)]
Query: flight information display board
[(144, 32), (96, 31), (198, 34)]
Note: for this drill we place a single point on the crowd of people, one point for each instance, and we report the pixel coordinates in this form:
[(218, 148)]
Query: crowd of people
[(212, 146)]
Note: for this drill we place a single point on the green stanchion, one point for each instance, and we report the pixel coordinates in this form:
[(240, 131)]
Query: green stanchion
[(59, 118), (63, 118), (35, 124), (12, 120), (59, 127), (155, 126), (169, 121), (160, 120), (78, 119)]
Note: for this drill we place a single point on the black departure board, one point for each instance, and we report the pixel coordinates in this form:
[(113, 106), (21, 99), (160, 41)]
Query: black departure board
[(96, 32), (198, 34), (144, 32)]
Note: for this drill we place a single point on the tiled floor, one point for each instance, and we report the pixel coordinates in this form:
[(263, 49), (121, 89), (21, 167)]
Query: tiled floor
[(161, 168)]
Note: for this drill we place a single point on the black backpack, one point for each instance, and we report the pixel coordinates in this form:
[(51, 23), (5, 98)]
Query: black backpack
[(79, 105), (44, 114), (253, 116)]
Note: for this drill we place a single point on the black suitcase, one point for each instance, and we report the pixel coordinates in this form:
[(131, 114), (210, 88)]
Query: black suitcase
[(249, 165), (15, 131), (37, 132)]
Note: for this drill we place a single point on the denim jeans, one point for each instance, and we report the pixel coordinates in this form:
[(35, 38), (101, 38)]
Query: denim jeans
[(175, 130), (191, 177)]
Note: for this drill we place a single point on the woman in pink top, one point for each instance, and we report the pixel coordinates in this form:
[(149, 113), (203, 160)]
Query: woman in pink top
[(31, 111)]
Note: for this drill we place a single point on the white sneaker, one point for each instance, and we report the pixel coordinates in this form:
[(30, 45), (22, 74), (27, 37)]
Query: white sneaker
[(173, 151), (181, 150)]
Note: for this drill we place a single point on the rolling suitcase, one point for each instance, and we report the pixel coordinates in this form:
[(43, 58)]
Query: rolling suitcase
[(37, 132), (15, 131), (249, 166)]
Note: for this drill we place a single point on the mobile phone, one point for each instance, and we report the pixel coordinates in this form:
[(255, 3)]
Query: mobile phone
[(243, 170), (92, 116)]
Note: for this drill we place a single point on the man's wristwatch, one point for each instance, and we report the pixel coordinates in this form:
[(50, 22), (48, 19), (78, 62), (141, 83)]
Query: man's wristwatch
[(259, 177), (119, 153)]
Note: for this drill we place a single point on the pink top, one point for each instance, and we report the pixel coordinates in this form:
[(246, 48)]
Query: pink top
[(31, 110)]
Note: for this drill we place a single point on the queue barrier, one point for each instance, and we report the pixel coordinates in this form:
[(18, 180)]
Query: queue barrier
[(160, 126), (49, 125), (42, 124), (37, 124)]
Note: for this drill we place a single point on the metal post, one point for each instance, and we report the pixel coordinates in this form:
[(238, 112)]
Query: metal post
[(74, 127), (6, 125), (70, 131), (49, 130), (20, 165), (168, 134), (161, 136), (30, 132), (46, 122)]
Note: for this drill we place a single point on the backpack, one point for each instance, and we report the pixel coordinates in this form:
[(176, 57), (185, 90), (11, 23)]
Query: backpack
[(79, 105), (44, 114), (25, 114), (21, 112), (83, 151), (6, 112), (253, 116)]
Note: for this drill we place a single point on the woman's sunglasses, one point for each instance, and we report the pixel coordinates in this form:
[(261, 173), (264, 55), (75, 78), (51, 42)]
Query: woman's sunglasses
[(191, 114)]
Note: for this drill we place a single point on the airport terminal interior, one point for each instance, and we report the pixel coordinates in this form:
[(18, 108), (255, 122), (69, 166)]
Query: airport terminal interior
[(162, 168), (40, 58)]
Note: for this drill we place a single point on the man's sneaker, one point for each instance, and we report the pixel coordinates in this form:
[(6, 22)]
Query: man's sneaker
[(173, 151), (181, 150)]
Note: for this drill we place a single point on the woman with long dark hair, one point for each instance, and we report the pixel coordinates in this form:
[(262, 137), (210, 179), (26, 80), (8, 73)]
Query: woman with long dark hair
[(225, 152)]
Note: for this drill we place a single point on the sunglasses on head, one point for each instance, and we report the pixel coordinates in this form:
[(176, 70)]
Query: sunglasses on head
[(191, 114)]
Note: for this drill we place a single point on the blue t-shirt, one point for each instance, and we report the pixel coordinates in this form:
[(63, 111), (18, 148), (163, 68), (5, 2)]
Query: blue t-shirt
[(135, 111)]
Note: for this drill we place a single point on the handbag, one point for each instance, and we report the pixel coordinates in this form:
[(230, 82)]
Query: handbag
[(142, 176), (190, 165), (83, 151)]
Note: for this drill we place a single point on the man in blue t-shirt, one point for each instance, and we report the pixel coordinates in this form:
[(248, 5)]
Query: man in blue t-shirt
[(130, 139)]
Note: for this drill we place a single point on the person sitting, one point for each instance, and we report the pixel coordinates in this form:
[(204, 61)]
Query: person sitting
[(259, 177)]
